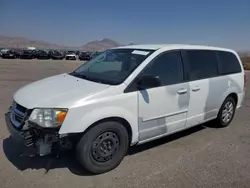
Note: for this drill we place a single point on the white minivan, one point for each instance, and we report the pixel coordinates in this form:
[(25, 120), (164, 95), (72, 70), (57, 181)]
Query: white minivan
[(126, 96)]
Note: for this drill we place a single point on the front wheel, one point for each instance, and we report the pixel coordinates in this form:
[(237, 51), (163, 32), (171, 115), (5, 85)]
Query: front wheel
[(226, 112), (103, 147)]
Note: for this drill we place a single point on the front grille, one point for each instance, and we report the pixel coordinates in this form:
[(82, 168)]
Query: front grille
[(20, 108), (18, 114)]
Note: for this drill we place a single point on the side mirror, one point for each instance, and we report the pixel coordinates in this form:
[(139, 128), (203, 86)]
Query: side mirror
[(148, 81)]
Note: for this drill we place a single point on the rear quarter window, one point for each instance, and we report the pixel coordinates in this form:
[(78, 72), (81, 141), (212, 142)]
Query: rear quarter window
[(229, 63)]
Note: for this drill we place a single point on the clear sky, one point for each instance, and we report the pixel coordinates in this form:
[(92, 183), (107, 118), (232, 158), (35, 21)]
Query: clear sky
[(74, 22)]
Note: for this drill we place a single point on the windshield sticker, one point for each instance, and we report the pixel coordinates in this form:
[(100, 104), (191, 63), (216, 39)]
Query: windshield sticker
[(139, 52)]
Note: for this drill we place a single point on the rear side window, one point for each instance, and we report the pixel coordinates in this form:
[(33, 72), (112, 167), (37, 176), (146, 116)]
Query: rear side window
[(228, 63), (202, 64)]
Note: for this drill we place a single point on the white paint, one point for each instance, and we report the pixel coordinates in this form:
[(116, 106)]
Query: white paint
[(163, 103), (70, 55), (89, 102)]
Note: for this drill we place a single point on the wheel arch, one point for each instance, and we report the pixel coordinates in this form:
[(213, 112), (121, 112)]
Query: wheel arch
[(121, 120), (225, 96), (234, 96), (231, 92), (75, 125)]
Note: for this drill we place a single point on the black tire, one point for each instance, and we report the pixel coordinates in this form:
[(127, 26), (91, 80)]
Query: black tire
[(89, 148), (220, 118)]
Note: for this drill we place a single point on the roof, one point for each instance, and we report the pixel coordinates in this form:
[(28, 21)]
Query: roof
[(172, 46)]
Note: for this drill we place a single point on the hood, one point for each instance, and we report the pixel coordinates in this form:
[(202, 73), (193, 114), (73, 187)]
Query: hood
[(60, 91)]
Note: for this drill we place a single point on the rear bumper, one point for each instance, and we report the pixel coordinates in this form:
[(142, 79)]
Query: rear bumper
[(241, 97)]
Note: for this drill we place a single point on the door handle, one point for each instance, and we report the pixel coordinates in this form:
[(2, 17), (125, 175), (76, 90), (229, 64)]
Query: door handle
[(196, 89), (182, 91)]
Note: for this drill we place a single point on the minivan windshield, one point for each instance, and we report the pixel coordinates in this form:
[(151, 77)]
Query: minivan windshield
[(112, 66)]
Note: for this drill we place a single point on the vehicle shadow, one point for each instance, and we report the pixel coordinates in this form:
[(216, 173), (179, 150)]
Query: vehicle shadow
[(13, 153), (143, 147)]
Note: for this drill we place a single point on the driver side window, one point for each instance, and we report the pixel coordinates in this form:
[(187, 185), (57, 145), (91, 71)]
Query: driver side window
[(167, 68)]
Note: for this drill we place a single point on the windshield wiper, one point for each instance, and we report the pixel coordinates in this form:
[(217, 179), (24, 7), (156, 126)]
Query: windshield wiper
[(79, 75), (93, 79), (84, 76)]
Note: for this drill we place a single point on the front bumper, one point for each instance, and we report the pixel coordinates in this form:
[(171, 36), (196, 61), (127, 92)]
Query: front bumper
[(57, 57), (26, 57), (84, 58), (70, 58), (36, 141), (8, 56), (43, 57), (16, 134)]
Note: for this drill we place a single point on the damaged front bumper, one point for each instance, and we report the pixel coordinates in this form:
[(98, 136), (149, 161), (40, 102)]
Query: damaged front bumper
[(37, 140)]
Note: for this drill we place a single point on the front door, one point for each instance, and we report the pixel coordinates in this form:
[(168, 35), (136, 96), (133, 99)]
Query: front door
[(163, 109)]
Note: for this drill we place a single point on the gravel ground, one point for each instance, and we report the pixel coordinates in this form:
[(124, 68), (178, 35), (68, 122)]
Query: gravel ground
[(199, 157)]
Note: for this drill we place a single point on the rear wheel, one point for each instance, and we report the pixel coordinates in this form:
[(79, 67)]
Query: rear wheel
[(226, 112), (103, 147)]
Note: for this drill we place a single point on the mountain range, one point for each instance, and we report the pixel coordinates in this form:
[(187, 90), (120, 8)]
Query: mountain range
[(96, 45), (21, 42)]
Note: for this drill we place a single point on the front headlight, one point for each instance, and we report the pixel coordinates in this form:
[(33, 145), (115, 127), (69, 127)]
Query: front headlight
[(48, 118)]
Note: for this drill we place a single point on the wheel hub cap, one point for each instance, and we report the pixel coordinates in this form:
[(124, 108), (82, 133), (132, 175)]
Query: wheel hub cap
[(227, 112), (105, 146)]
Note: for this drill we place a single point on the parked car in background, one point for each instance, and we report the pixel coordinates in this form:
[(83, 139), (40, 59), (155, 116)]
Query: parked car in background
[(56, 55), (10, 54), (3, 51), (77, 52), (18, 53), (35, 53), (70, 56), (27, 54), (94, 54), (41, 54), (84, 56)]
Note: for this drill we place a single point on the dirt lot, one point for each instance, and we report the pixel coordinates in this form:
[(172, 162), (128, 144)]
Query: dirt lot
[(200, 157)]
